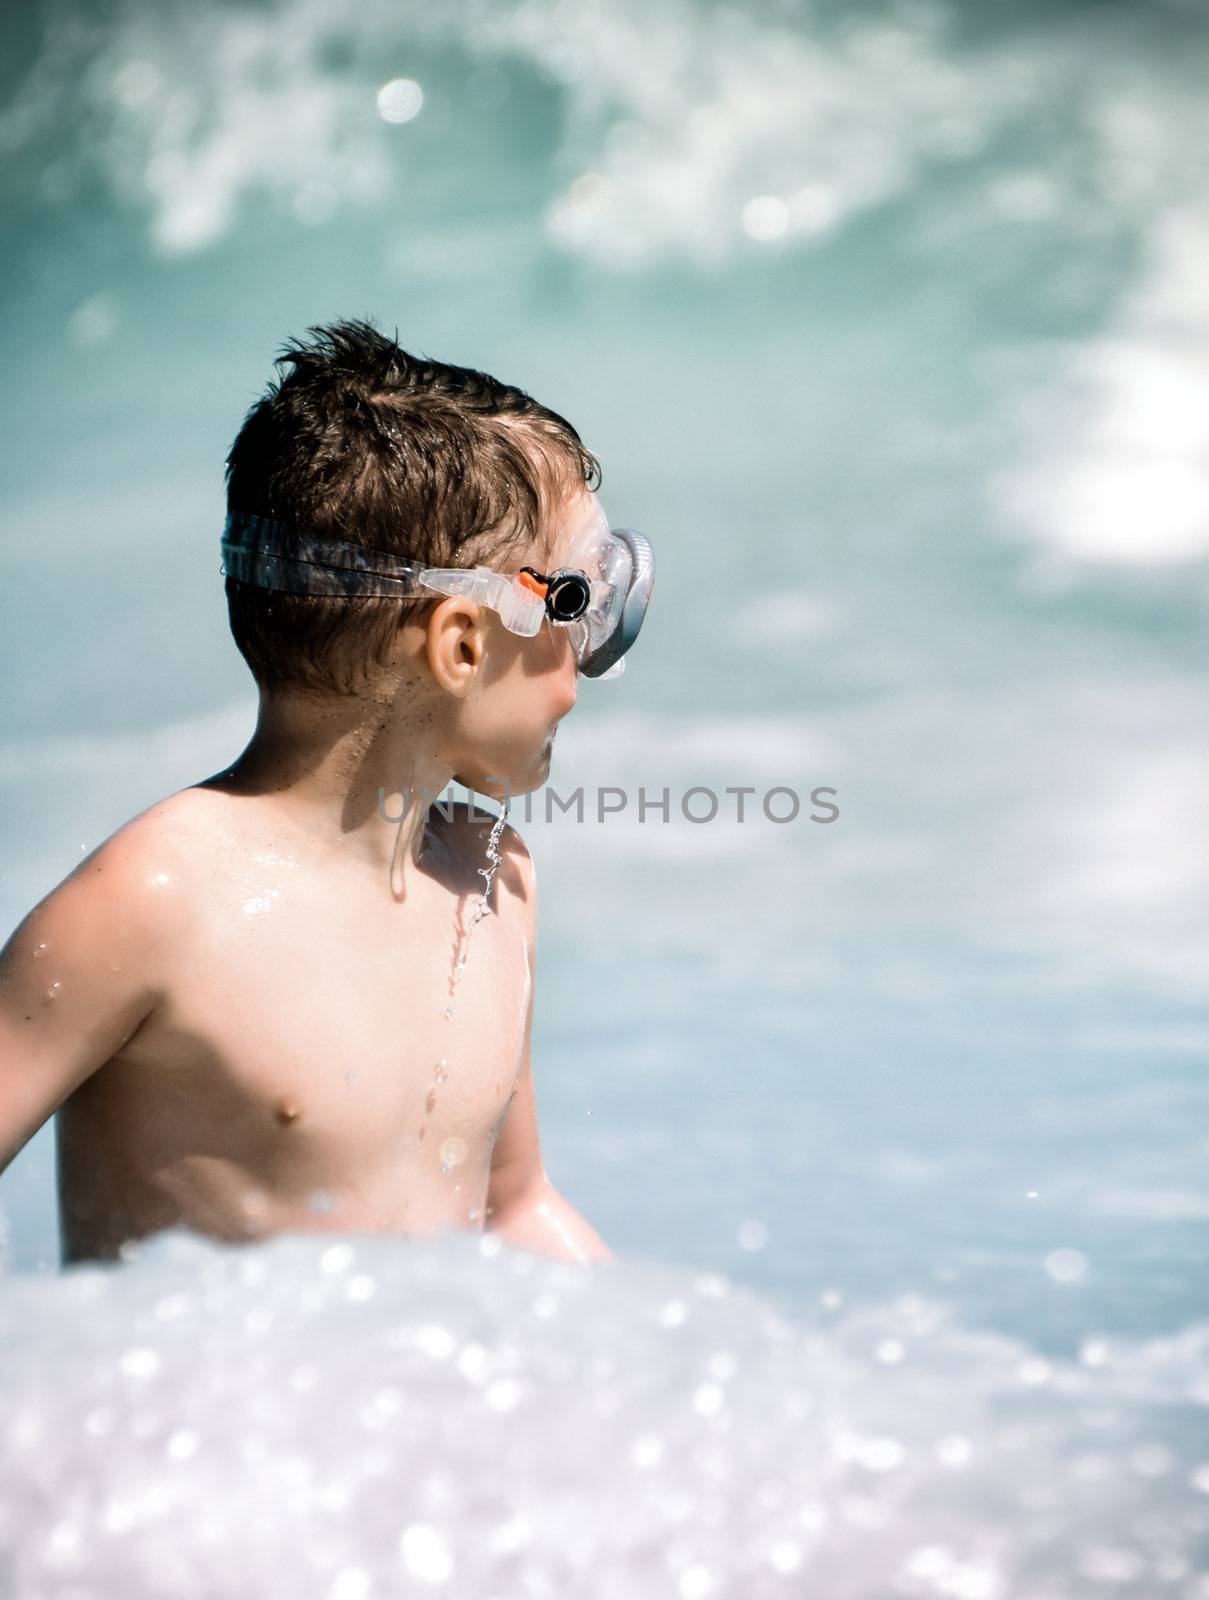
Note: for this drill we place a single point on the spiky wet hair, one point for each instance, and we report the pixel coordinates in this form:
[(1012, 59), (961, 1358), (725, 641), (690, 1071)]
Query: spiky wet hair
[(358, 440)]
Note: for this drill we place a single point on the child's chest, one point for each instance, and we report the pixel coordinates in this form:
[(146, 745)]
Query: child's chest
[(313, 1022)]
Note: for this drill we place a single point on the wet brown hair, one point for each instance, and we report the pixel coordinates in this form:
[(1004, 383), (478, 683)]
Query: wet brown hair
[(361, 441)]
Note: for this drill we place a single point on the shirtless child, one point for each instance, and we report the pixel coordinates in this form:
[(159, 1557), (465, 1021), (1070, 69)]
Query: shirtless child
[(265, 1004)]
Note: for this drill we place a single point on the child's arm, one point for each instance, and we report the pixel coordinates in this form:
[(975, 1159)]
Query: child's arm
[(76, 981), (523, 1206)]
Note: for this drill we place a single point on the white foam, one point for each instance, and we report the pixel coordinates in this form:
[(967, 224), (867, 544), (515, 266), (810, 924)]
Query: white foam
[(1116, 469), (687, 131), (206, 1420)]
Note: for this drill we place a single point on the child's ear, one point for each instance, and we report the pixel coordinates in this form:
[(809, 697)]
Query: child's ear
[(455, 643)]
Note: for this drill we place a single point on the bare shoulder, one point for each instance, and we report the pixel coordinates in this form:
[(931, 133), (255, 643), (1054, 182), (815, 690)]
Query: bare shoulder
[(124, 908), (167, 845), (138, 877), (468, 829)]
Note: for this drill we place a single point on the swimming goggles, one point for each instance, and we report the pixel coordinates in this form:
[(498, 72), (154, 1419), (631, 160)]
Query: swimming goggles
[(602, 602)]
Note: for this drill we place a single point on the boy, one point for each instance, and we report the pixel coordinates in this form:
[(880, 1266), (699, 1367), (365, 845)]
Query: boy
[(273, 1000)]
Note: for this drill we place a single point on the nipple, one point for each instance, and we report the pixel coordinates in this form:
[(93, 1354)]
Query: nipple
[(287, 1111)]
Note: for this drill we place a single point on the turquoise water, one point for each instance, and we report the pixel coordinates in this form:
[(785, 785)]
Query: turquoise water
[(891, 328)]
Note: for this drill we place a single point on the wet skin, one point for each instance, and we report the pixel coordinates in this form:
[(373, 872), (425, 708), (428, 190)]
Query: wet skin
[(288, 1080), (240, 1009)]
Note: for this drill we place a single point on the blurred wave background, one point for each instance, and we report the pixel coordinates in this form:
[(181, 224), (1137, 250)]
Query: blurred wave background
[(890, 325)]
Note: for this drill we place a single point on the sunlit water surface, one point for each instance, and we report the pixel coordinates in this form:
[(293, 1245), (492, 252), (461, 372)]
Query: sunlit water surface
[(889, 326)]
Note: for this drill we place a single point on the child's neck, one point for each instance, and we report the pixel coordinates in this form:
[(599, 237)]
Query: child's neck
[(350, 773)]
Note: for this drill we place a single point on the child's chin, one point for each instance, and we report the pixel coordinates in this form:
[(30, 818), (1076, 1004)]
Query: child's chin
[(519, 783), (535, 777)]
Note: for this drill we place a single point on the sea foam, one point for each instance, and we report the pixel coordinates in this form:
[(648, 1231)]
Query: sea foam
[(352, 1416)]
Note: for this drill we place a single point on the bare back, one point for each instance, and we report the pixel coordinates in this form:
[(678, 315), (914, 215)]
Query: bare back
[(299, 1069)]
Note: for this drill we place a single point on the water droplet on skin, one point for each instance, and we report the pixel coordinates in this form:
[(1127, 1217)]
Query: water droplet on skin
[(55, 990), (398, 855), (452, 1152), (39, 950), (441, 1075), (483, 905)]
